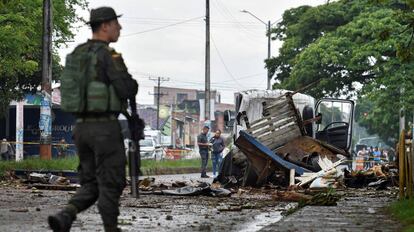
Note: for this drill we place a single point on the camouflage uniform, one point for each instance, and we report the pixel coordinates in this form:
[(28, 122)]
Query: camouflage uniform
[(100, 146)]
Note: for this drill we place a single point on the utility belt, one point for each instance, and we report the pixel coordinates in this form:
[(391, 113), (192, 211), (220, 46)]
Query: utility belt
[(96, 118)]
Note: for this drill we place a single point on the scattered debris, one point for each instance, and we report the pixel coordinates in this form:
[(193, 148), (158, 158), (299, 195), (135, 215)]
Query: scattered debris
[(328, 198), (262, 160), (70, 176), (290, 196), (204, 189), (379, 177), (178, 184), (146, 182), (272, 139), (21, 210), (325, 177), (71, 187), (47, 179), (124, 222)]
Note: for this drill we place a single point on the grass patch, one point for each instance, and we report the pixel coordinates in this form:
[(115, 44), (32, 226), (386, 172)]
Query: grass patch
[(404, 211), (152, 167), (71, 163), (38, 164)]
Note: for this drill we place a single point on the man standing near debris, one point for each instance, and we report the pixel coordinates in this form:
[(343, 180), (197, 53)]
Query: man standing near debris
[(218, 147), (203, 146), (5, 150), (97, 133)]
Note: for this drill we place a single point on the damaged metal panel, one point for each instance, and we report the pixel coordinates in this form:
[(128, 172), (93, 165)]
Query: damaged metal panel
[(301, 147), (263, 161)]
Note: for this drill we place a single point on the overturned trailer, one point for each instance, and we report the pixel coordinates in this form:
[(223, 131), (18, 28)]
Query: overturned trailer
[(276, 131)]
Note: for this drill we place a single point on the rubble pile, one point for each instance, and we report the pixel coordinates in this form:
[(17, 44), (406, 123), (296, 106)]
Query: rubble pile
[(278, 148), (379, 177), (36, 180)]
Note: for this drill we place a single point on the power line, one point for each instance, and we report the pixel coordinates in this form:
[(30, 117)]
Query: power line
[(159, 94), (226, 13), (159, 28), (144, 76), (224, 64), (163, 21), (179, 20)]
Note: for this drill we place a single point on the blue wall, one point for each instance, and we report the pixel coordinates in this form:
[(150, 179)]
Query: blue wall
[(62, 127)]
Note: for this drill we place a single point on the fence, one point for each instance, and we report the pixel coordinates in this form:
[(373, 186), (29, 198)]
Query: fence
[(405, 158)]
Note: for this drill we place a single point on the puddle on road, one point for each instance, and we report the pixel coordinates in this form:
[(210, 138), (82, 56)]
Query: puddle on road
[(261, 220)]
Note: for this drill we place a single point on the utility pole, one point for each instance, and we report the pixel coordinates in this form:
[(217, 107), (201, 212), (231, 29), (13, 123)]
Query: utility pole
[(207, 74), (402, 111), (45, 120), (268, 26), (269, 76), (159, 94)]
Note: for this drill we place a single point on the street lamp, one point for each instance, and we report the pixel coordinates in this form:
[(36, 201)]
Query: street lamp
[(268, 24)]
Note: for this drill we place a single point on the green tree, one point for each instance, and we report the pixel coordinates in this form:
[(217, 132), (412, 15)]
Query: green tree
[(350, 48), (21, 43)]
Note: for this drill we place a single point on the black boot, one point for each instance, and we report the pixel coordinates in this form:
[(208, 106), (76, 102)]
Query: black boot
[(62, 221)]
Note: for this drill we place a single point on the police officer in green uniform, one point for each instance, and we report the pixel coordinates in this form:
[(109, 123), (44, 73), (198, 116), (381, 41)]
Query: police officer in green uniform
[(98, 135)]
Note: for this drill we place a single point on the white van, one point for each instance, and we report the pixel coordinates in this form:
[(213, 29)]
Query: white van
[(149, 149)]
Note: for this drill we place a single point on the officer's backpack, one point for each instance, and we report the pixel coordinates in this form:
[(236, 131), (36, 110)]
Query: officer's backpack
[(81, 90)]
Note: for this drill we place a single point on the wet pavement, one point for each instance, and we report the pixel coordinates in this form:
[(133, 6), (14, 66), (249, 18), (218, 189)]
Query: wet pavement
[(27, 209), (357, 210), (23, 209)]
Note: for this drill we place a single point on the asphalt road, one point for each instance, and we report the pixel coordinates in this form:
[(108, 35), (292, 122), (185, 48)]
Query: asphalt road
[(25, 209)]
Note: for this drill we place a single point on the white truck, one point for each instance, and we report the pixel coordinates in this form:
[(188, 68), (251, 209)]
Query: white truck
[(292, 126)]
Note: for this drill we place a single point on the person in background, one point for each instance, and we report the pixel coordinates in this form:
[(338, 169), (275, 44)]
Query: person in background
[(203, 147), (218, 146), (371, 157), (377, 156), (62, 148), (5, 149), (364, 153), (384, 155)]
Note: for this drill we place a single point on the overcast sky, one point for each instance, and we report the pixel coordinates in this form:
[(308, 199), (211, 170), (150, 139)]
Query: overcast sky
[(167, 38)]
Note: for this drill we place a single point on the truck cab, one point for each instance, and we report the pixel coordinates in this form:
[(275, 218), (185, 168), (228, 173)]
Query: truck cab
[(329, 120)]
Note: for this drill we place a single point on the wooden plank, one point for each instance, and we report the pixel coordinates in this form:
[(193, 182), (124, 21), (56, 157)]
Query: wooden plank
[(72, 187), (275, 142), (285, 133), (281, 110), (279, 133), (401, 153), (278, 125), (275, 105), (271, 121), (286, 108), (271, 130)]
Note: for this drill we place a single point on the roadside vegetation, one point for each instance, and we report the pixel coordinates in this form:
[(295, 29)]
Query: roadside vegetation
[(404, 211), (355, 49), (148, 167)]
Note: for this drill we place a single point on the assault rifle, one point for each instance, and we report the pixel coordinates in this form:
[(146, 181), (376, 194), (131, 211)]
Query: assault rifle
[(136, 128)]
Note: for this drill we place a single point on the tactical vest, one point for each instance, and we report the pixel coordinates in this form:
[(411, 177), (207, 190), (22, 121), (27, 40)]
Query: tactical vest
[(81, 89)]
